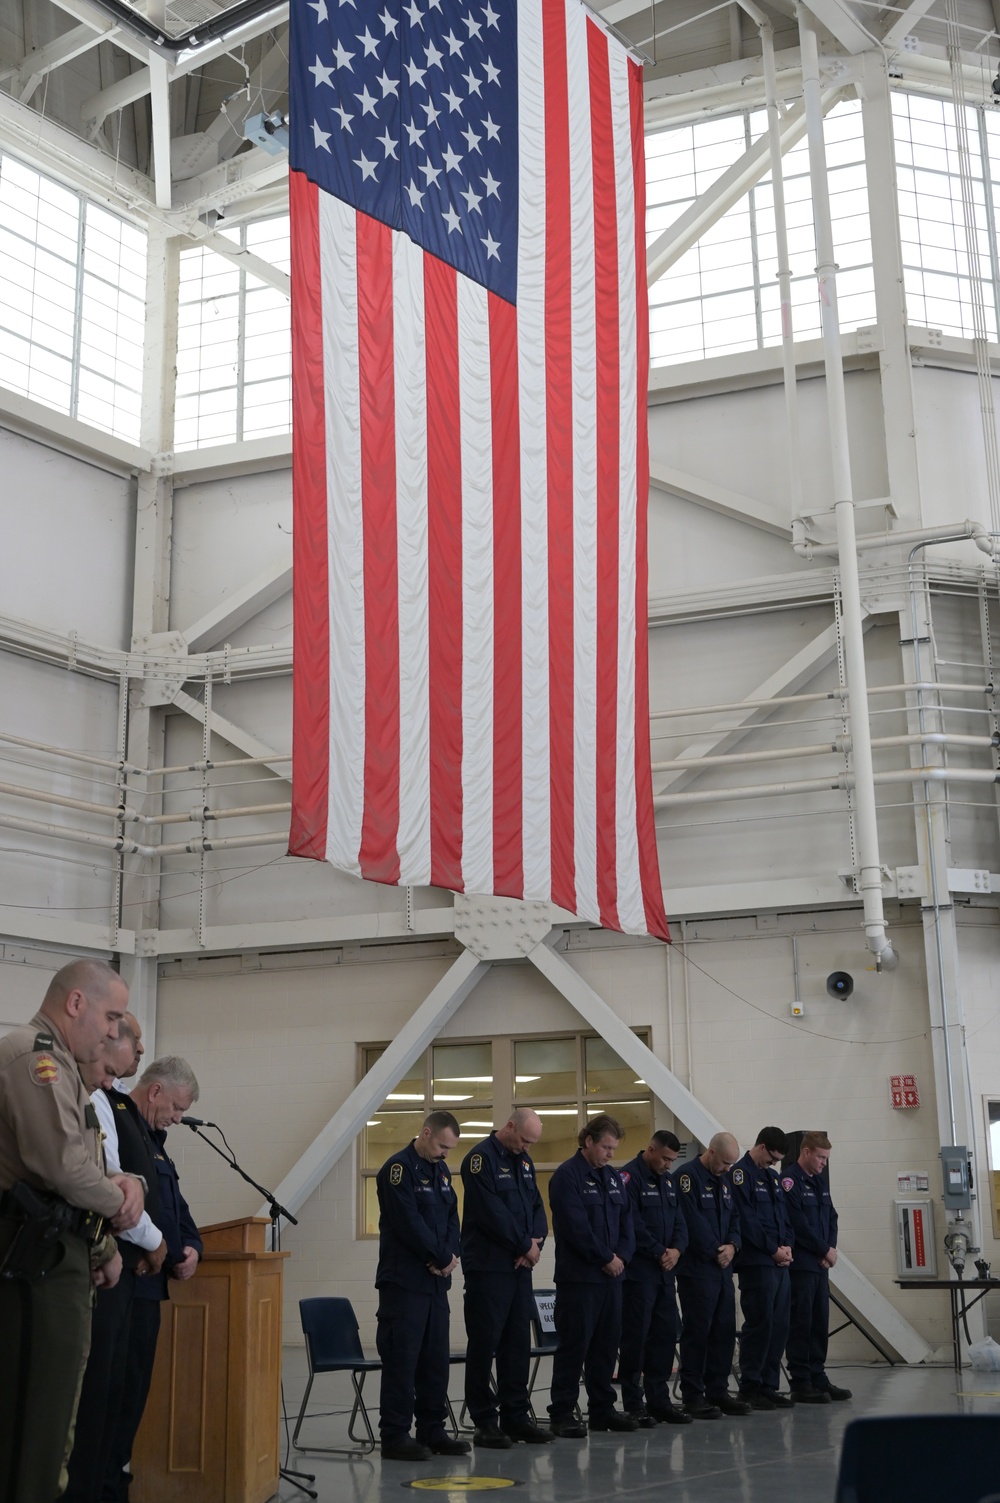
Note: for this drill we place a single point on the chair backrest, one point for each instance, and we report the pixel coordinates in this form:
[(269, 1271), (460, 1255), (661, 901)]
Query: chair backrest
[(331, 1331), (920, 1458), (543, 1322)]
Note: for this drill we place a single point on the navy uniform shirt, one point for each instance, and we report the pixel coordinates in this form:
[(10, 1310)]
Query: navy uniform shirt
[(707, 1203), (812, 1215), (657, 1220), (760, 1204), (503, 1209), (591, 1220), (174, 1218), (418, 1222)]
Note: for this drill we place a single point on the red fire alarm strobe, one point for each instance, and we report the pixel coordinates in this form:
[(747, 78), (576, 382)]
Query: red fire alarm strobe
[(903, 1091)]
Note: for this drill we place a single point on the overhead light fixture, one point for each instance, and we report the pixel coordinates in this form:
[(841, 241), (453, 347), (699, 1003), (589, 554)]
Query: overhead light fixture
[(525, 1079), (556, 1111), (403, 1096), (451, 1098)]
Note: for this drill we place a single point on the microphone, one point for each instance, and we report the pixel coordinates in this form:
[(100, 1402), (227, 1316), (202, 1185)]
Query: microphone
[(197, 1122)]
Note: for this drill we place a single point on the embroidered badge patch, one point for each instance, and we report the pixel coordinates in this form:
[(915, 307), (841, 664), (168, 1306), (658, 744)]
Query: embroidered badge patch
[(686, 1183), (475, 1163), (44, 1070), (737, 1176), (787, 1182), (396, 1174), (625, 1176)]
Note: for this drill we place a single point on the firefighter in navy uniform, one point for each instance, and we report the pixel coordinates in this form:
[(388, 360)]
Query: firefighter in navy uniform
[(762, 1266), (592, 1225), (649, 1298), (503, 1229), (814, 1225), (705, 1281), (418, 1249)]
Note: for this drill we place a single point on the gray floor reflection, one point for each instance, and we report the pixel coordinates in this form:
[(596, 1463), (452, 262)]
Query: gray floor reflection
[(786, 1457)]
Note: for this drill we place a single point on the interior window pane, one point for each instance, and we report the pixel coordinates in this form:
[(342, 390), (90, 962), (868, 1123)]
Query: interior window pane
[(462, 1072), (560, 1125), (544, 1068), (386, 1133), (636, 1116), (606, 1071)]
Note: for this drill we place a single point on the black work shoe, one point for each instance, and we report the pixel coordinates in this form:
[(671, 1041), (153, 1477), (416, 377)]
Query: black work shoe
[(405, 1449), (756, 1398), (838, 1395), (729, 1404), (492, 1437), (643, 1419), (810, 1396), (530, 1434), (778, 1400), (702, 1409), (613, 1420), (445, 1445), (569, 1428), (669, 1414)]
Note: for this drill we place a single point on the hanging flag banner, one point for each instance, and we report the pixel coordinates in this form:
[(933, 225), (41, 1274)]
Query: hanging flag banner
[(470, 359)]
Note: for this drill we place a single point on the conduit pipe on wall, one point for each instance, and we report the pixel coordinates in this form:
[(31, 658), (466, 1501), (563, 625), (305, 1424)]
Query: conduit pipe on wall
[(836, 744), (804, 699), (869, 864), (127, 847), (844, 780), (773, 108), (131, 816), (953, 533)]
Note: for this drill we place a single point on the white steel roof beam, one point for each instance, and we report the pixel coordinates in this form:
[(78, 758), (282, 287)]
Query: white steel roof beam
[(726, 191), (901, 27), (406, 1048), (247, 261), (874, 1309), (730, 729), (160, 108), (116, 96), (719, 499), (234, 734), (62, 50), (841, 22), (239, 607)]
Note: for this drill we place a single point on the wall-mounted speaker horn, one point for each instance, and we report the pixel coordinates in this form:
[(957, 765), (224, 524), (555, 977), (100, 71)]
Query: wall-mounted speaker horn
[(839, 984)]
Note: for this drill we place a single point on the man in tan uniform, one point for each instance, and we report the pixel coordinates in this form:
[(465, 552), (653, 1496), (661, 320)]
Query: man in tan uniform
[(54, 1199)]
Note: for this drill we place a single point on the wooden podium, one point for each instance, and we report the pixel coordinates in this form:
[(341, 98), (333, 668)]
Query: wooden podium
[(210, 1430)]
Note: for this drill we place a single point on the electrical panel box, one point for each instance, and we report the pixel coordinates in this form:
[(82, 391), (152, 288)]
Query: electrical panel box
[(957, 1177), (916, 1248)]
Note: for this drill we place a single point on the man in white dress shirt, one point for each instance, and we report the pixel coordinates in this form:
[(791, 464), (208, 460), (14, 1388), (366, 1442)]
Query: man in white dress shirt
[(100, 1397)]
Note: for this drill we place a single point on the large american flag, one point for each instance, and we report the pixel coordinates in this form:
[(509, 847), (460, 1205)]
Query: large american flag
[(470, 352)]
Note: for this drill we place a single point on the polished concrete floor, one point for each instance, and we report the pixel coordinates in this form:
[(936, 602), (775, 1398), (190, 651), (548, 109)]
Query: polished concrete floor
[(784, 1457)]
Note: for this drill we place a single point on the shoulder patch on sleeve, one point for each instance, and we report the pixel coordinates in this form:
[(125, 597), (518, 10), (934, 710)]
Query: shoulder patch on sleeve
[(396, 1174), (44, 1070), (787, 1183), (685, 1183), (737, 1176), (626, 1177), (475, 1163)]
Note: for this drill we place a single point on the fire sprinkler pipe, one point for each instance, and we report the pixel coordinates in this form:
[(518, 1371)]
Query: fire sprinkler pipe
[(953, 533), (824, 749), (844, 780), (869, 863)]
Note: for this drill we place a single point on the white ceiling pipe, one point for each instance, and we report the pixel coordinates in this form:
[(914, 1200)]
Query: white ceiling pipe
[(804, 699), (843, 781), (200, 815), (824, 749), (64, 751), (63, 801), (955, 532), (229, 843), (78, 837), (866, 822), (211, 766)]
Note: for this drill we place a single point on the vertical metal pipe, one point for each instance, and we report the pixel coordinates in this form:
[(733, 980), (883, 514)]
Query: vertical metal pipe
[(784, 269), (869, 864)]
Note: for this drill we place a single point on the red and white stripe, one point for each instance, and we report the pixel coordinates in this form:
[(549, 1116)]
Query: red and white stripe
[(471, 704)]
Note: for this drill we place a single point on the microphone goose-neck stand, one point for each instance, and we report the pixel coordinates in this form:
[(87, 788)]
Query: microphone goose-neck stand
[(276, 1211)]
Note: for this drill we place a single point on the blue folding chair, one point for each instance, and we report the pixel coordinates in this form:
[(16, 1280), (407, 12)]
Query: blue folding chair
[(333, 1345), (920, 1458)]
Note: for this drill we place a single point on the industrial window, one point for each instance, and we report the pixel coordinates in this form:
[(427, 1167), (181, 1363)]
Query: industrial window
[(936, 271), (721, 296), (993, 1144), (233, 343), (72, 291), (566, 1078)]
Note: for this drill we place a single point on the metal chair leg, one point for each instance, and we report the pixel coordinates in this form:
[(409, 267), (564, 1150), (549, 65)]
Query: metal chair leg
[(360, 1447), (302, 1413)]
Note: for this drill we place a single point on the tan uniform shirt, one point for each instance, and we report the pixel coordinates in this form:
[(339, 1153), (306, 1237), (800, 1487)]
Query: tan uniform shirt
[(44, 1136)]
